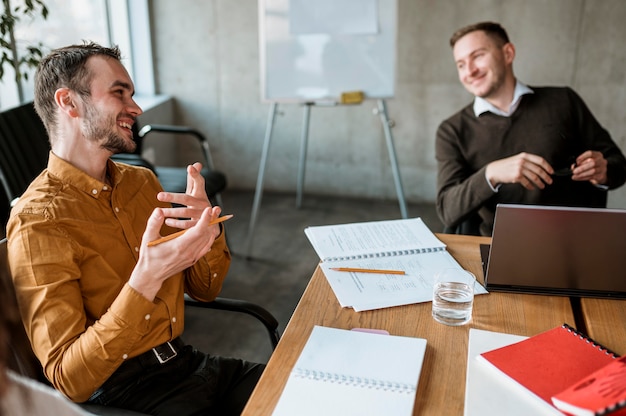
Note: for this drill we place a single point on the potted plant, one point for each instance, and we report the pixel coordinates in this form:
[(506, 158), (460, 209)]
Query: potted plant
[(20, 62)]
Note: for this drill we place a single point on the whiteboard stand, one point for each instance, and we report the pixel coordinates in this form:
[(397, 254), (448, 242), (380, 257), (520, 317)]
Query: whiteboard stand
[(261, 175), (306, 117), (387, 124), (304, 141)]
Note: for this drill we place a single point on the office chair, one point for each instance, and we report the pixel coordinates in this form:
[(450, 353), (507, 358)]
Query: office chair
[(174, 178), (24, 151)]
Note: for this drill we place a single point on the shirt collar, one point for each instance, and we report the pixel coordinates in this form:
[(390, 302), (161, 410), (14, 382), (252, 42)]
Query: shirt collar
[(482, 106), (70, 174)]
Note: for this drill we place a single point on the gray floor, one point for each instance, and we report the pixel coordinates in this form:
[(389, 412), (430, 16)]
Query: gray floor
[(276, 271)]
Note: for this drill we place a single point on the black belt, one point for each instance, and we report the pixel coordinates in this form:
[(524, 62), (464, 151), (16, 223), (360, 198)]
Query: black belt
[(160, 354), (156, 356)]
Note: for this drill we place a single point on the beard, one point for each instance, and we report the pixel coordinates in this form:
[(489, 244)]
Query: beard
[(98, 128), (493, 88)]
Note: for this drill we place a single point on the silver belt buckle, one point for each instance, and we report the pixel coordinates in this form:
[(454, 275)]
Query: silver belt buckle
[(163, 355)]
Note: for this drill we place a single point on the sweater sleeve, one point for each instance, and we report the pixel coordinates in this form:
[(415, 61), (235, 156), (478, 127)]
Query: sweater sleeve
[(460, 191), (597, 138)]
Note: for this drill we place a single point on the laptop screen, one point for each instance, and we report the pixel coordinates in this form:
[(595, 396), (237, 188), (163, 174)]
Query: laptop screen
[(558, 250)]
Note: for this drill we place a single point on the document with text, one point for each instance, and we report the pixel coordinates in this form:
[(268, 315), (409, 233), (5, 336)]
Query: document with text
[(406, 246)]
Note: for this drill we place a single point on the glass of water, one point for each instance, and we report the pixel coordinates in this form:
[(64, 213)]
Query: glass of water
[(453, 296)]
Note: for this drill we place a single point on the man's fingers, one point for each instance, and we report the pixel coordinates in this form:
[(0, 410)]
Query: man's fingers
[(153, 226), (537, 161), (195, 181), (191, 171), (589, 154), (536, 174), (590, 166)]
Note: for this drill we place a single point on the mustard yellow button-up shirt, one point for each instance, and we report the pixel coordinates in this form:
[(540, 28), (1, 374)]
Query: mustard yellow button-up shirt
[(73, 242)]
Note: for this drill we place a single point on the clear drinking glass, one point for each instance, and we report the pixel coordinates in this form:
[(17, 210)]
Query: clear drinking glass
[(453, 296)]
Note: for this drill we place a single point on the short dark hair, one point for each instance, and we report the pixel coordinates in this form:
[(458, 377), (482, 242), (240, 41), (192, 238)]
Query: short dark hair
[(65, 67), (494, 30)]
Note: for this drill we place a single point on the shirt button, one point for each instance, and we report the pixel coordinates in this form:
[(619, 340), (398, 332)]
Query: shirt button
[(214, 274), (147, 316), (94, 191), (117, 209), (125, 356), (174, 319), (105, 188), (137, 249)]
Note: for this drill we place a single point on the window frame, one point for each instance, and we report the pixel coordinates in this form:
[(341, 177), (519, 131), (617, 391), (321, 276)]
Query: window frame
[(133, 39)]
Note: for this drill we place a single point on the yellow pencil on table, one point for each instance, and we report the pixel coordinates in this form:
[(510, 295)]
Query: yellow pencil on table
[(357, 270), (181, 232)]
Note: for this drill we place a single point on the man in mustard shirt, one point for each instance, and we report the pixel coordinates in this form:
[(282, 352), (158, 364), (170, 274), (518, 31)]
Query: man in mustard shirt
[(103, 310)]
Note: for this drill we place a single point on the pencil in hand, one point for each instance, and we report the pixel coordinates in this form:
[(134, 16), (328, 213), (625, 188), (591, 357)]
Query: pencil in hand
[(181, 232)]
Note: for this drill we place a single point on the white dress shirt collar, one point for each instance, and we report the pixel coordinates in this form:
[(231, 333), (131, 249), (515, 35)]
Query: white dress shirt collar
[(482, 106)]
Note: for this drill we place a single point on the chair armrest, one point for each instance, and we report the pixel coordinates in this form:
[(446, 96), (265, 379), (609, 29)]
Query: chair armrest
[(163, 128), (166, 128), (242, 306)]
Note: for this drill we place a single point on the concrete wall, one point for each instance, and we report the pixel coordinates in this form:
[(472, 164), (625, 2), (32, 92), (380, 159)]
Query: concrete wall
[(206, 56)]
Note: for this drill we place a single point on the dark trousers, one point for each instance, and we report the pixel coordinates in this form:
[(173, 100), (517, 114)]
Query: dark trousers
[(192, 383)]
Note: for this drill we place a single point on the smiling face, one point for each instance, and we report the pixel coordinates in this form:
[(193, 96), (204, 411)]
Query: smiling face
[(484, 66), (110, 111)]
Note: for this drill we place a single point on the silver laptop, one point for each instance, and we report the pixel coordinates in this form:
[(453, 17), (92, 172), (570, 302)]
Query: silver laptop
[(558, 251)]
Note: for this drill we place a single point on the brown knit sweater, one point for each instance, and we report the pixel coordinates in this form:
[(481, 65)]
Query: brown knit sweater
[(553, 123)]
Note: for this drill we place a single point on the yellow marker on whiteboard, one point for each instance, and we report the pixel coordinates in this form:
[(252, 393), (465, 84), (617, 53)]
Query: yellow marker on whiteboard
[(352, 97)]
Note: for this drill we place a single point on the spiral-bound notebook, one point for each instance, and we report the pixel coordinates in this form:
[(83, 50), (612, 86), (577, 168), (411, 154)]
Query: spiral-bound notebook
[(373, 239), (342, 372), (485, 391), (548, 363), (406, 245)]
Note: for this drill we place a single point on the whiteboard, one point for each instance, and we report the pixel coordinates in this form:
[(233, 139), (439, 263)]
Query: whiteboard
[(315, 50)]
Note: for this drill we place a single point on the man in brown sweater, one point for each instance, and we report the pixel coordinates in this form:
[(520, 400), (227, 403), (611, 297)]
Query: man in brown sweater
[(516, 144)]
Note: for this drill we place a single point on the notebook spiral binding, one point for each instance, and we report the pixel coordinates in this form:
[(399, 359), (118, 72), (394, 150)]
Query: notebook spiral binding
[(385, 254), (588, 340), (354, 381)]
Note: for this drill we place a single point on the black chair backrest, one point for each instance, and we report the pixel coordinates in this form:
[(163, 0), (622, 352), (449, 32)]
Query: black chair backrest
[(24, 149), (21, 358)]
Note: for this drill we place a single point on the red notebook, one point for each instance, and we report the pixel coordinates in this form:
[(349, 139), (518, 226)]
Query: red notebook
[(602, 392), (551, 361)]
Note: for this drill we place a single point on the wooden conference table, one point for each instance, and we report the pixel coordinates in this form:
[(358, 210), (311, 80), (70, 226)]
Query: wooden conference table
[(441, 389), (605, 321)]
